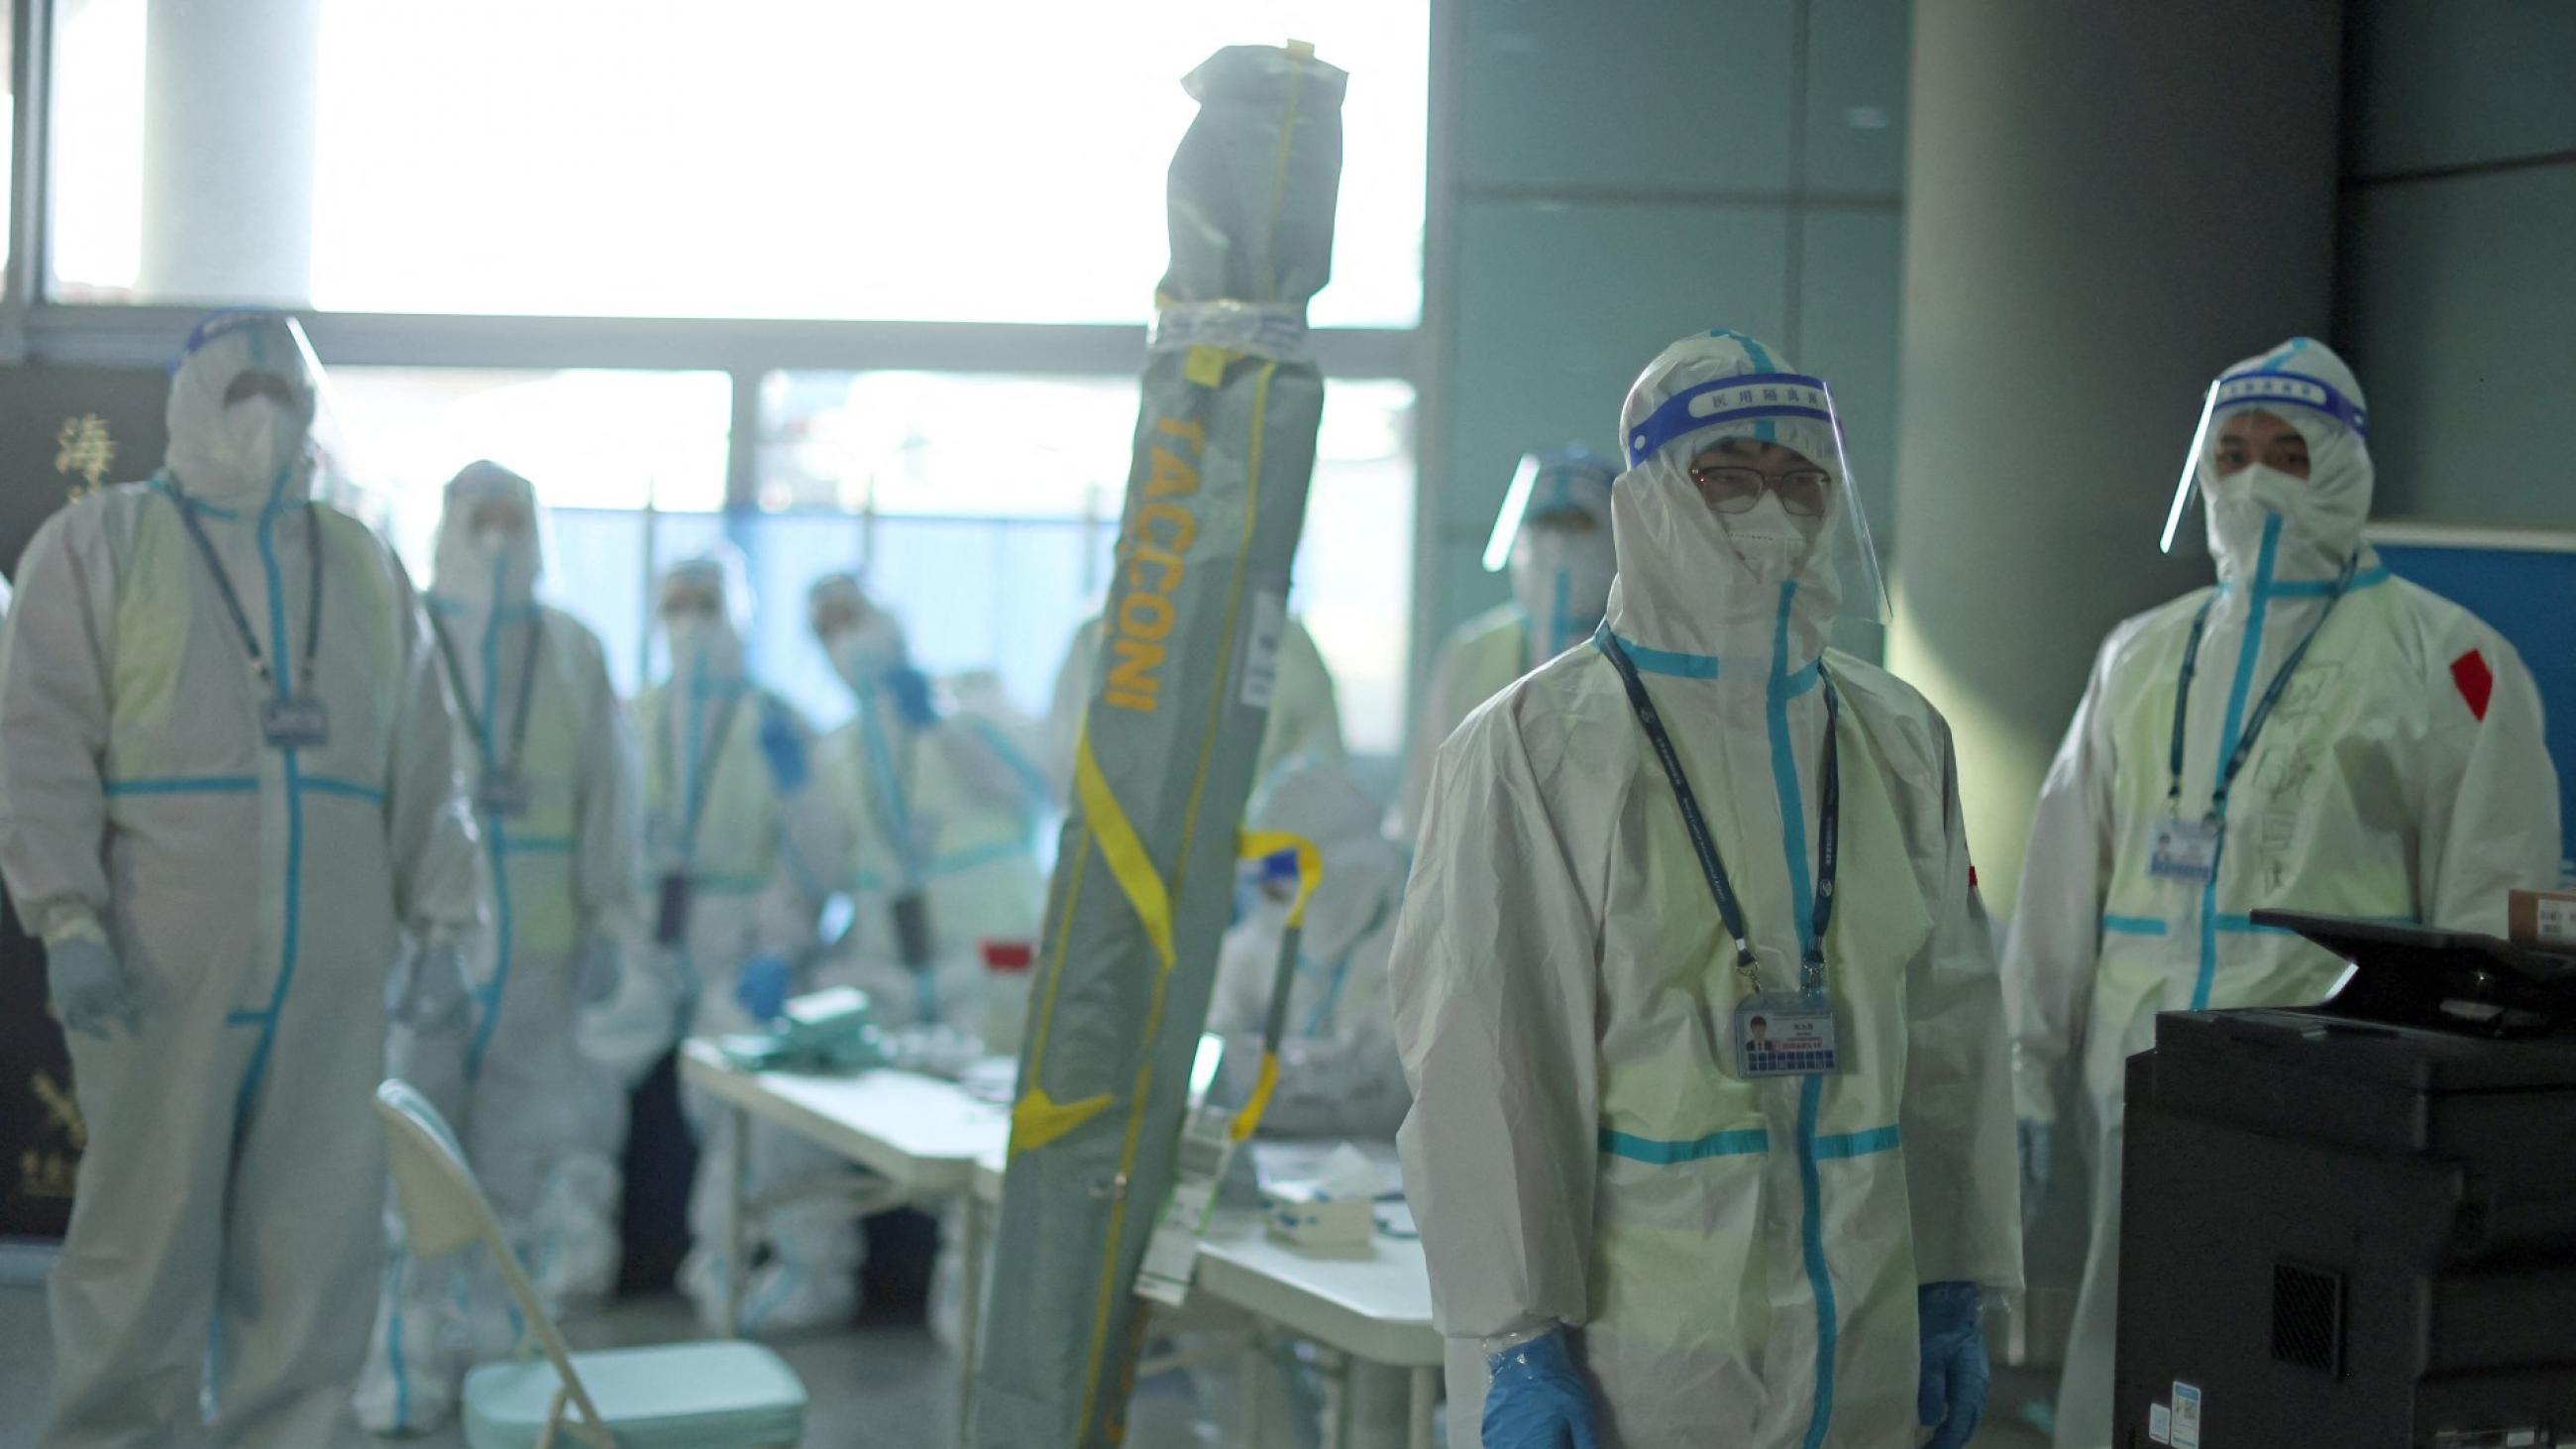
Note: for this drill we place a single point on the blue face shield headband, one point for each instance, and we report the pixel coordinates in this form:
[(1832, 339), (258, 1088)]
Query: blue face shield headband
[(1750, 398), (2267, 388), (2264, 388)]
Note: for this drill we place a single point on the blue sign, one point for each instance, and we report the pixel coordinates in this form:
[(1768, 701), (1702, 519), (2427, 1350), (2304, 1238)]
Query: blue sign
[(2523, 584)]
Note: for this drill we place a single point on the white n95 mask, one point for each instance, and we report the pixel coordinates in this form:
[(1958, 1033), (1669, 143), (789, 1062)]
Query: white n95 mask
[(1772, 541), (260, 438)]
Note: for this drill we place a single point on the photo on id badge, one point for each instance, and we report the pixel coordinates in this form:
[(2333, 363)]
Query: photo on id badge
[(2184, 850), (1785, 1035), (295, 722)]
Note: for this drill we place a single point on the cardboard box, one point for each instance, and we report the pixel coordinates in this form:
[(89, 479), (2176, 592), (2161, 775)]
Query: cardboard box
[(1327, 1226), (2546, 919)]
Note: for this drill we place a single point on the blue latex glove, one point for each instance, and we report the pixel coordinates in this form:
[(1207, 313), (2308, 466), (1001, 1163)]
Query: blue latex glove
[(598, 969), (434, 997), (88, 988), (761, 989), (1539, 1399), (1952, 1395), (2038, 1140), (912, 699)]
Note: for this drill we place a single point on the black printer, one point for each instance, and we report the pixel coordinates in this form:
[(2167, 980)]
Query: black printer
[(2353, 1226)]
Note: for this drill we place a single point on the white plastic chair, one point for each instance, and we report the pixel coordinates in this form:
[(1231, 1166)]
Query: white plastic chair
[(714, 1395)]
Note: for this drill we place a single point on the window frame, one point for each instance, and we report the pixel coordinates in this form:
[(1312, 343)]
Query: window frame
[(36, 329)]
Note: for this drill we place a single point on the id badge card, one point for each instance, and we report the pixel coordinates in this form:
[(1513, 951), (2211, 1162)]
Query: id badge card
[(501, 792), (911, 913), (671, 915), (1786, 1034), (297, 722), (2184, 850)]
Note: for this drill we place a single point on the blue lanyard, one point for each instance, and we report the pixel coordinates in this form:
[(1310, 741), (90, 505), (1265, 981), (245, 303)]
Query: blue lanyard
[(1324, 1009), (703, 773), (474, 711), (1828, 824), (2262, 710), (232, 600)]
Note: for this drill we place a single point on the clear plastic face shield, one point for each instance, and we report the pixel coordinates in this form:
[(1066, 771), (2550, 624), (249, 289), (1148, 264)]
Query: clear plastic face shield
[(692, 593), (2241, 425), (835, 605), (493, 539), (861, 638), (1553, 534), (1763, 453), (250, 407), (704, 608)]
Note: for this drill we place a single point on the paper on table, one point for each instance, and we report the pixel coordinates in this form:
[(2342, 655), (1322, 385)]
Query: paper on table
[(1280, 1162)]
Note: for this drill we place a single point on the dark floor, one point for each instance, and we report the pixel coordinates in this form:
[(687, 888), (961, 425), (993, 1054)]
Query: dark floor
[(869, 1387), (890, 1385)]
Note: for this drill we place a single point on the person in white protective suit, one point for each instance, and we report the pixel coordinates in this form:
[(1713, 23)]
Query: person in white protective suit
[(1553, 533), (742, 846), (2346, 743), (551, 761), (1305, 717), (230, 792), (1644, 1228), (939, 810), (1339, 1074)]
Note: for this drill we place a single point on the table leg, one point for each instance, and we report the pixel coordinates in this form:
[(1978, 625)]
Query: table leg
[(1254, 1430), (970, 1314), (1345, 1388), (737, 1267), (1426, 1398)]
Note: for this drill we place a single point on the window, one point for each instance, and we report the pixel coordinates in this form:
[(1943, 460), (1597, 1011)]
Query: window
[(986, 510), (774, 158), (982, 507), (481, 177), (601, 447)]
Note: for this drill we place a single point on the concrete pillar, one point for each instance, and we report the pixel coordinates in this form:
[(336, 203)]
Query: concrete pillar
[(2105, 205), (228, 135)]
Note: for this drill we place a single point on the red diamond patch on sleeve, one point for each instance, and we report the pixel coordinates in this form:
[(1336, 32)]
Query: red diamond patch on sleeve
[(2476, 682), (1972, 877)]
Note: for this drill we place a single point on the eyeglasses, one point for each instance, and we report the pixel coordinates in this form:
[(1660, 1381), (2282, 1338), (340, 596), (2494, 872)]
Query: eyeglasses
[(1730, 489)]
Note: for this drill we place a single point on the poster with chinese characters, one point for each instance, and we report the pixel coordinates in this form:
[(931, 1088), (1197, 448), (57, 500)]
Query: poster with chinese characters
[(63, 431)]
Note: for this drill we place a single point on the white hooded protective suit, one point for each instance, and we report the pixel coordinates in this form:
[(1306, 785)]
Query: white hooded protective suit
[(937, 804), (1305, 717), (1339, 1075), (545, 741), (2401, 776), (1555, 538), (227, 1224), (733, 806), (1737, 1260)]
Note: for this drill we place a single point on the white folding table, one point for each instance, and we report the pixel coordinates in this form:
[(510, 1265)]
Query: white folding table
[(1375, 1310), (920, 1137)]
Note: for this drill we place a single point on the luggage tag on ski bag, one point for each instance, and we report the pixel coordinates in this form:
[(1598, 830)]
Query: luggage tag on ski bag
[(297, 722), (1172, 1253), (1786, 1034), (2184, 850)]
